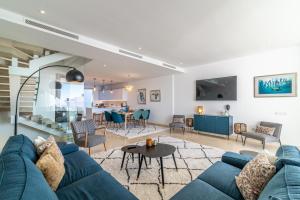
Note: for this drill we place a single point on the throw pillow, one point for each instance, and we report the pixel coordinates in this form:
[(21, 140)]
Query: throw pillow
[(41, 145), (265, 130), (55, 152), (178, 120), (254, 176), (51, 164), (39, 140)]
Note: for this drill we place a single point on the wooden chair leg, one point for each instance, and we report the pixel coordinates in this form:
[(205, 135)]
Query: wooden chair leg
[(89, 151), (104, 146)]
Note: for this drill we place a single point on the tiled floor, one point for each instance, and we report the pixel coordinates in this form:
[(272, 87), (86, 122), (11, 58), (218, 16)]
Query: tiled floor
[(220, 142)]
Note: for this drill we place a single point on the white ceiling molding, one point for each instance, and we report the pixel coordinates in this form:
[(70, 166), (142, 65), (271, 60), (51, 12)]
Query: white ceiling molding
[(41, 26)]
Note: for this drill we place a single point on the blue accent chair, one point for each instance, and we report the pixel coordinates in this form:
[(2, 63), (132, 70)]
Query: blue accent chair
[(218, 181), (117, 118), (84, 178)]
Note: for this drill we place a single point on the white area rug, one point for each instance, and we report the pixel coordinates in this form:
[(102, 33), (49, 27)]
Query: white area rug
[(191, 158), (133, 132)]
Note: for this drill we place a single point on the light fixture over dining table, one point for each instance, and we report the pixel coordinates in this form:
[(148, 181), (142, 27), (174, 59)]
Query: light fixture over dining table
[(94, 85), (128, 87)]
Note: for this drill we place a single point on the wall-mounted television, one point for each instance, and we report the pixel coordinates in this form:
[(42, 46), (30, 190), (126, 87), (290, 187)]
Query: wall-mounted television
[(224, 88)]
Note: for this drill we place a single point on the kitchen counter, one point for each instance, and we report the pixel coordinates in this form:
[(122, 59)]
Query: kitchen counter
[(101, 110)]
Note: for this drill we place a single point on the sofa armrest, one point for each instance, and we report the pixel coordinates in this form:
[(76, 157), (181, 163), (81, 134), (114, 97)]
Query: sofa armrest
[(67, 148), (236, 159)]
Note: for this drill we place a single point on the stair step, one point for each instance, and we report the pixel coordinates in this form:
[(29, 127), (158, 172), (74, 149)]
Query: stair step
[(26, 101), (22, 106), (33, 90), (4, 90), (4, 76), (4, 83), (4, 68)]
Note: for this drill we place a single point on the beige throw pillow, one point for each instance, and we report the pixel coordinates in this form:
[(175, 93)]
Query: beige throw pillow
[(51, 163), (178, 120), (42, 145), (265, 130), (254, 176)]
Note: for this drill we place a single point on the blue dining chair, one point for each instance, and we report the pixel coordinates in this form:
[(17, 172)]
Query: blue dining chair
[(108, 118), (117, 118), (145, 116), (136, 116)]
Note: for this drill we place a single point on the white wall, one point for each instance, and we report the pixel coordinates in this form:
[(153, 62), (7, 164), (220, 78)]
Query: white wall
[(161, 112), (247, 108), (285, 110)]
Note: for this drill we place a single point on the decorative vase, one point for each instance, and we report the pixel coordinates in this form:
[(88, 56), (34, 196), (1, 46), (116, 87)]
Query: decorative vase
[(149, 142)]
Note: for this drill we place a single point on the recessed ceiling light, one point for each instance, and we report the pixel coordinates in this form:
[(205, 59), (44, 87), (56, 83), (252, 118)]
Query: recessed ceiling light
[(42, 11), (140, 48), (104, 65), (181, 63)]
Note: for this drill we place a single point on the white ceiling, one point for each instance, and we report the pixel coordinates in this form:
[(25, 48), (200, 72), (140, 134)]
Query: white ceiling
[(105, 65), (190, 32)]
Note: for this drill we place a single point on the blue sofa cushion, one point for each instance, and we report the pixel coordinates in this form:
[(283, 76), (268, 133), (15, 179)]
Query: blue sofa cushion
[(222, 176), (99, 186), (21, 179), (287, 155), (236, 159), (284, 185), (281, 162), (78, 165), (200, 190), (67, 148), (21, 145), (287, 151)]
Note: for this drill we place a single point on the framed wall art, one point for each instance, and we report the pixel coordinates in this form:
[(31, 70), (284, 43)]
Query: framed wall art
[(278, 85), (141, 96), (155, 96)]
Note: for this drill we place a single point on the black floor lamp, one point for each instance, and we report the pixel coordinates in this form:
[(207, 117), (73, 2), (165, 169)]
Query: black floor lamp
[(72, 76)]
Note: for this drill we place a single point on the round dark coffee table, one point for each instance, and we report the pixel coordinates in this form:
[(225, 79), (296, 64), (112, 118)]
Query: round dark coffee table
[(131, 149), (160, 150)]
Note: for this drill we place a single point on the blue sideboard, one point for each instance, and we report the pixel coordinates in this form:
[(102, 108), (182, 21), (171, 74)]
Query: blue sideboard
[(222, 125)]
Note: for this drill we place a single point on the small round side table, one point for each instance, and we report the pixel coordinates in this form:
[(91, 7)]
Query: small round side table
[(189, 122), (239, 129)]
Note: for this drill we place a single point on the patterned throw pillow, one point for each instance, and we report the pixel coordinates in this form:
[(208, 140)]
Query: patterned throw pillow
[(42, 145), (265, 130), (178, 120), (51, 164), (254, 176)]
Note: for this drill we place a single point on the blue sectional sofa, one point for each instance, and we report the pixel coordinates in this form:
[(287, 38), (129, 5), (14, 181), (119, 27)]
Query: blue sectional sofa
[(83, 179), (218, 181)]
